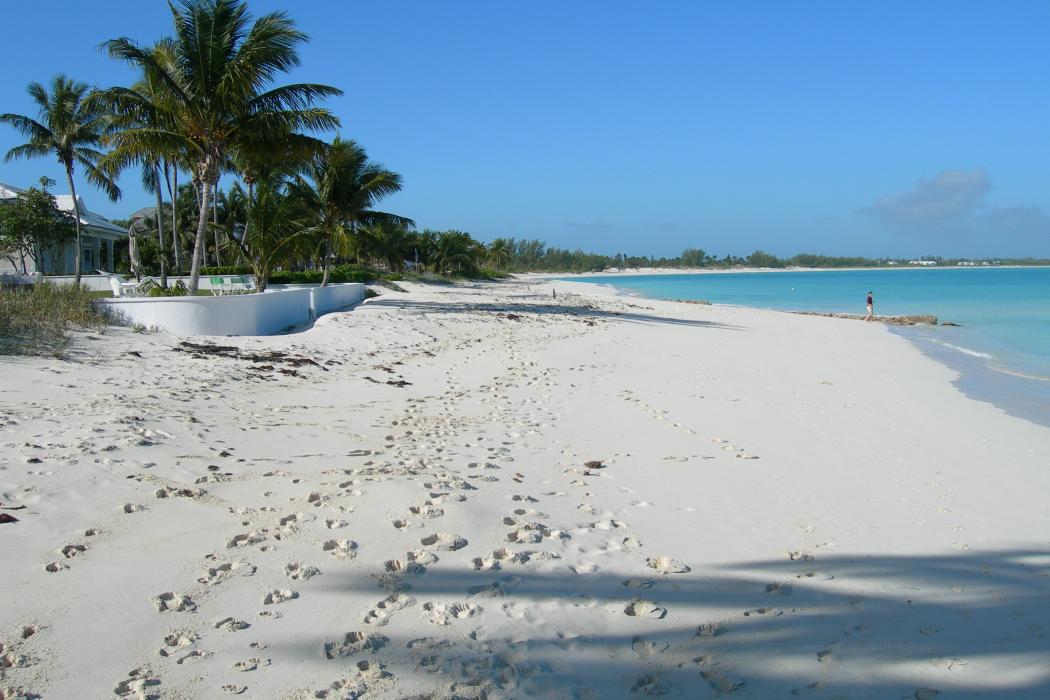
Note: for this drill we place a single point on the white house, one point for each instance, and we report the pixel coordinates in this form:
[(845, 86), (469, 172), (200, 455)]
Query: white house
[(98, 237)]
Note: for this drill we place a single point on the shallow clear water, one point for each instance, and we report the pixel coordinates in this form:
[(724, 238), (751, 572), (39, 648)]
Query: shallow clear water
[(1004, 314)]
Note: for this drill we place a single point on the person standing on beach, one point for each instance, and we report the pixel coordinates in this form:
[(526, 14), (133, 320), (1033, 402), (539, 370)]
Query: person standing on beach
[(871, 307)]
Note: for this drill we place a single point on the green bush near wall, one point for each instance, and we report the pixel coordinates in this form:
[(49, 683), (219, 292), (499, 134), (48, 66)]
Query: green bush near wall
[(226, 270)]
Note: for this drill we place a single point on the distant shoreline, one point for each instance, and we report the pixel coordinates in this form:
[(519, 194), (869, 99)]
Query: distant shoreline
[(636, 271)]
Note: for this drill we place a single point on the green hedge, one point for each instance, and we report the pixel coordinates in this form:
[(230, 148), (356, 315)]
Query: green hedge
[(226, 270), (341, 273)]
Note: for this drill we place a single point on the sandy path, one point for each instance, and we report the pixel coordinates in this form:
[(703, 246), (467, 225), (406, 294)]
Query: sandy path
[(784, 506)]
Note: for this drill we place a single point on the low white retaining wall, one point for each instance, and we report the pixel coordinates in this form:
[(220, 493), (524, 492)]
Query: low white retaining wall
[(237, 314), (273, 311), (335, 296), (95, 283)]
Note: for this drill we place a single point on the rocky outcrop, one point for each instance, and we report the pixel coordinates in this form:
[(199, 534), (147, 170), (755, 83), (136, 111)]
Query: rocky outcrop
[(918, 320)]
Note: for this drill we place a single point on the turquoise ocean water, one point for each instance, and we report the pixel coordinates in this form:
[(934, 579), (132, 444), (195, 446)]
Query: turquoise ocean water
[(1002, 348)]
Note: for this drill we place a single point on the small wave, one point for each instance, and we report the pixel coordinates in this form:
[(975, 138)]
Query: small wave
[(964, 350), (1015, 373)]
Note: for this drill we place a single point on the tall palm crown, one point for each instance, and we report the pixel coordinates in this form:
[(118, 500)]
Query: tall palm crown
[(218, 76), (499, 253), (342, 186), (144, 105), (70, 127)]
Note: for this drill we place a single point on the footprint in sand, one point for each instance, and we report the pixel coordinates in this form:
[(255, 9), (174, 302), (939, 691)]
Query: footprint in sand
[(139, 684), (721, 682), (12, 660), (195, 654), (484, 564), (174, 602), (710, 629), (217, 574), (246, 539), (444, 542), (421, 556), (340, 549), (72, 550), (276, 596), (427, 510), (230, 624), (649, 609), (584, 568), (447, 614), (647, 647), (380, 614), (250, 665), (667, 565), (354, 643), (178, 640), (300, 572), (650, 685)]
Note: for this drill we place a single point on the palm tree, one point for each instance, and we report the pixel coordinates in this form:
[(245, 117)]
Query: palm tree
[(456, 252), (266, 155), (389, 243), (276, 227), (219, 74), (70, 128), (341, 187), (499, 253), (144, 105)]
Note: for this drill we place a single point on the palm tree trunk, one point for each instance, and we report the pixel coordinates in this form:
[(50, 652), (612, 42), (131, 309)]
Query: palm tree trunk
[(327, 260), (198, 245), (215, 221), (76, 220), (173, 192), (160, 231), (247, 218)]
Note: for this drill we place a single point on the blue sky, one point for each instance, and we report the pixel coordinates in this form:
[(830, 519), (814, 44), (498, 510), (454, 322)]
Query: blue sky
[(894, 128)]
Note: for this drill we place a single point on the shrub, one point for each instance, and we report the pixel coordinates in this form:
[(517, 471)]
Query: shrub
[(339, 274), (179, 289), (226, 270), (36, 320)]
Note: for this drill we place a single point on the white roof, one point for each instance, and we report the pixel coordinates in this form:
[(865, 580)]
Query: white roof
[(65, 203)]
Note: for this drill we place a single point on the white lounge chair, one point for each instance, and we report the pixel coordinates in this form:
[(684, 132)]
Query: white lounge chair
[(123, 288)]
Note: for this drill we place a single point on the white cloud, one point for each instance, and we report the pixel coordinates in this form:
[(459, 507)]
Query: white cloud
[(950, 198)]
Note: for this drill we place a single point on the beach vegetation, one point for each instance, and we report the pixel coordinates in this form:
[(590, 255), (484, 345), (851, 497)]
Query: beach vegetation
[(39, 319)]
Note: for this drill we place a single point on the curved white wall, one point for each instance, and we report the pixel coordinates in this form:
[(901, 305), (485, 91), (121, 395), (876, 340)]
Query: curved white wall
[(271, 312), (335, 297)]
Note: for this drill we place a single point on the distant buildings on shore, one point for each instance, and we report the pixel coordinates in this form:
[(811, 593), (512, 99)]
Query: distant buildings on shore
[(958, 263)]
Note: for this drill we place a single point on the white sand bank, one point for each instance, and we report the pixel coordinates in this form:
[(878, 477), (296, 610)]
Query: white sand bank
[(786, 504)]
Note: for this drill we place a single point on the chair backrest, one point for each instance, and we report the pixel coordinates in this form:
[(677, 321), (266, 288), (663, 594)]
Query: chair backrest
[(217, 281), (114, 284)]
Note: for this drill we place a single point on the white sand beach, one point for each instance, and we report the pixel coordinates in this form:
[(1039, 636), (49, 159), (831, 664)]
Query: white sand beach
[(479, 491)]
